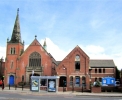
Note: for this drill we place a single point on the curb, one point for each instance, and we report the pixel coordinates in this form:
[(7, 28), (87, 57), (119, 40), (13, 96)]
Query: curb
[(102, 95), (64, 93)]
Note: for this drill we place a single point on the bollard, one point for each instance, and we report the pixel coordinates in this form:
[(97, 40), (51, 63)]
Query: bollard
[(63, 88), (30, 86), (22, 87), (82, 89), (72, 88), (9, 86), (2, 86), (15, 86)]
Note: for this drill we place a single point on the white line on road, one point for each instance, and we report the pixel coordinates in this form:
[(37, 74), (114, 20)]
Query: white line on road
[(81, 98), (1, 98), (4, 98)]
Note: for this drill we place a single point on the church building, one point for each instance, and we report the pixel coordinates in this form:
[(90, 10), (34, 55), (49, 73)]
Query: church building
[(76, 69)]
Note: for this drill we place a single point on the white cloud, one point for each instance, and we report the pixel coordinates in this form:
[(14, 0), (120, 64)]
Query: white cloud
[(95, 52), (94, 49), (54, 50), (2, 52), (25, 47), (98, 52)]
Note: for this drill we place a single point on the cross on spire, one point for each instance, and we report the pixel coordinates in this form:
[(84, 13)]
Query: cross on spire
[(35, 36)]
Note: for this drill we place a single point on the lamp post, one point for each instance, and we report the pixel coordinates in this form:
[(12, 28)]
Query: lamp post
[(32, 72), (90, 76)]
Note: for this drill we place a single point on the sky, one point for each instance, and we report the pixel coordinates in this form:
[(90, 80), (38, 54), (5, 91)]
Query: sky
[(93, 25)]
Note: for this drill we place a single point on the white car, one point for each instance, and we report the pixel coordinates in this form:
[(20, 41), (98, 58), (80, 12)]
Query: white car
[(117, 83)]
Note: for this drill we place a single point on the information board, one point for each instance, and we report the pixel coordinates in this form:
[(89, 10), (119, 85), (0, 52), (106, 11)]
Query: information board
[(35, 84)]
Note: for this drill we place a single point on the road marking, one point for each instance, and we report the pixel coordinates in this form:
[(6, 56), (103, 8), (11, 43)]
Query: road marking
[(82, 98), (2, 98)]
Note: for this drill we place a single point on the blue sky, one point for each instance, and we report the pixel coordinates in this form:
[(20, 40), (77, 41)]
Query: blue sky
[(94, 25)]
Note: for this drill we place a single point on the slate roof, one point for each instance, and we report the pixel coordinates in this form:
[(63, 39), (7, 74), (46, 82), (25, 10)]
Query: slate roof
[(102, 63), (58, 62)]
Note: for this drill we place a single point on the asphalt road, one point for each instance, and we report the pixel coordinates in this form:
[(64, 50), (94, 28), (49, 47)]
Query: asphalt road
[(24, 96)]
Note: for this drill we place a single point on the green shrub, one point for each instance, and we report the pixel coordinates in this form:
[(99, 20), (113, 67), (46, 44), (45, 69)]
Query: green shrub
[(97, 84)]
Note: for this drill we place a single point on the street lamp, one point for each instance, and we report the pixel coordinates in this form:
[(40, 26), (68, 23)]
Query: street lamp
[(32, 72)]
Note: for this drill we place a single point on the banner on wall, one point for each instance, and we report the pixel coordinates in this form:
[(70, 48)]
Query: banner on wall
[(35, 85), (52, 85)]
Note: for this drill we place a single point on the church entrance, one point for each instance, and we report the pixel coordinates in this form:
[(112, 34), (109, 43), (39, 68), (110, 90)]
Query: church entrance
[(11, 80), (35, 74)]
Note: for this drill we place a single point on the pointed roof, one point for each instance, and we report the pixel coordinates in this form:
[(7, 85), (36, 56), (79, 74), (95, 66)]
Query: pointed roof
[(16, 35), (76, 49), (35, 42), (102, 63)]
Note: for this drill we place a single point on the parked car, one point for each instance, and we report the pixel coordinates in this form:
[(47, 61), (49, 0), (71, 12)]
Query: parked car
[(0, 82), (117, 83)]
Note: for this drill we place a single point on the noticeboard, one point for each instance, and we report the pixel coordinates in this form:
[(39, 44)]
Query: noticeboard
[(35, 85), (52, 85)]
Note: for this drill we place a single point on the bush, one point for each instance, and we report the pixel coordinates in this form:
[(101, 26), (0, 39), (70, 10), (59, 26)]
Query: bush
[(97, 84), (22, 83)]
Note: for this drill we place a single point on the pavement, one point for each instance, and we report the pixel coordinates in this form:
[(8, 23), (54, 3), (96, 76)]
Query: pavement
[(70, 93)]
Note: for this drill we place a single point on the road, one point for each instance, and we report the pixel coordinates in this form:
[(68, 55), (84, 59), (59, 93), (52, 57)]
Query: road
[(24, 96)]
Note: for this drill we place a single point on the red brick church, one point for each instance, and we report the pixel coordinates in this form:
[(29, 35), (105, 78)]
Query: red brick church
[(76, 68)]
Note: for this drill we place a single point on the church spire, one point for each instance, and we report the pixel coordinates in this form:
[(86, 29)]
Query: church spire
[(45, 45), (16, 35)]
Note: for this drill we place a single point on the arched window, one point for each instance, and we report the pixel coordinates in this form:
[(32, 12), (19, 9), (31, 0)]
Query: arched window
[(77, 62), (103, 70), (77, 81), (100, 79), (12, 51), (95, 79), (95, 70), (35, 60)]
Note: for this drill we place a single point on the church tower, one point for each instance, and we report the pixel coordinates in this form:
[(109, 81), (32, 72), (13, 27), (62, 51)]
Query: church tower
[(14, 50)]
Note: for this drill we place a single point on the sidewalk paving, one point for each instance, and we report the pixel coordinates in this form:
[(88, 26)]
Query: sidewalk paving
[(70, 93)]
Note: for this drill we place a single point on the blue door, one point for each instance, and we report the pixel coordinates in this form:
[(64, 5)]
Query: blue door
[(11, 80)]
